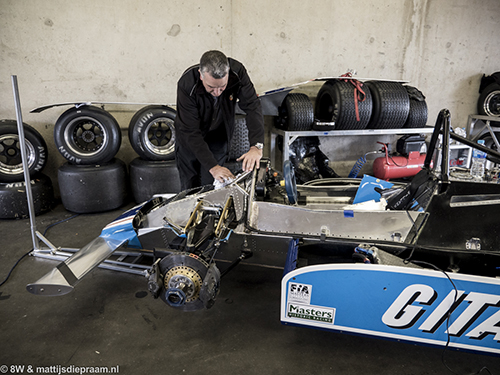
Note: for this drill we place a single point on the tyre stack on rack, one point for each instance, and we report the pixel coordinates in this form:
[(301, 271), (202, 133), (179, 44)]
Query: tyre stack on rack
[(92, 179), (386, 105), (13, 199), (347, 104), (152, 135)]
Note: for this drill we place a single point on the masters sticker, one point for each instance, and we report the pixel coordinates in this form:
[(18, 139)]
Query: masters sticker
[(316, 313), (299, 293)]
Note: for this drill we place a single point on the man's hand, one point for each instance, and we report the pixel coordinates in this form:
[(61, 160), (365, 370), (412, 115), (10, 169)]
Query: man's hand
[(250, 159), (221, 174)]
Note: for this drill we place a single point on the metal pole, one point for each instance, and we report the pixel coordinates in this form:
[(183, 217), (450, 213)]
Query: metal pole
[(27, 178)]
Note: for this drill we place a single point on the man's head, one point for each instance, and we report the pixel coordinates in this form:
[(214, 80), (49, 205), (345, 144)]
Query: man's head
[(214, 69)]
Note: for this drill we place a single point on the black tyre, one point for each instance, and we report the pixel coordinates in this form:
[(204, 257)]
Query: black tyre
[(152, 134), (14, 202), (239, 143), (93, 188), (11, 167), (335, 103), (296, 113), (488, 103), (148, 178), (391, 105), (417, 116), (87, 135)]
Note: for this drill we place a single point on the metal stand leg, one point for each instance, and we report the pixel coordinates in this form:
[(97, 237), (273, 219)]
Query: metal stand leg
[(27, 178)]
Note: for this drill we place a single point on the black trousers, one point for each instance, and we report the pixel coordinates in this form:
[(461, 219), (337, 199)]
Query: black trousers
[(191, 173)]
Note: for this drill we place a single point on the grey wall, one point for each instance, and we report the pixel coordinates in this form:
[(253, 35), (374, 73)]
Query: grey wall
[(134, 51)]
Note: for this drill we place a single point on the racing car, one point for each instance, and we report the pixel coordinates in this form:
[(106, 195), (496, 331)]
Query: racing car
[(364, 255)]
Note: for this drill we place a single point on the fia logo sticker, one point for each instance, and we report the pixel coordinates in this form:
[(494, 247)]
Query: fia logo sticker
[(299, 293)]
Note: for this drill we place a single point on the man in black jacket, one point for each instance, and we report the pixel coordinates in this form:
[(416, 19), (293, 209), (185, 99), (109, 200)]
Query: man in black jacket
[(204, 125)]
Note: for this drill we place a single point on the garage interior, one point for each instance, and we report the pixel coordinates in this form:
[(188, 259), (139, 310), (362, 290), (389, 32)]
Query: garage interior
[(134, 52)]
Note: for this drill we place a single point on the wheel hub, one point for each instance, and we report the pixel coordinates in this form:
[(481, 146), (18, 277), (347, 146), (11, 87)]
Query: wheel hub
[(186, 281), (85, 136), (159, 137), (10, 154), (182, 285), (9, 148), (88, 136)]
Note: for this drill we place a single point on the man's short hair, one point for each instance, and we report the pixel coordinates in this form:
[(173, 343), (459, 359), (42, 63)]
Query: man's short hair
[(215, 63)]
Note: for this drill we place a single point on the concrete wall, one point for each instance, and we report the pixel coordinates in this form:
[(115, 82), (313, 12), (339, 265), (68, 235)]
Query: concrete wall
[(134, 51)]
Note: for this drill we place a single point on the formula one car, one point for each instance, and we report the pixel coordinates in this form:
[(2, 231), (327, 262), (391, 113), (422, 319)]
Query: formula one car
[(369, 266)]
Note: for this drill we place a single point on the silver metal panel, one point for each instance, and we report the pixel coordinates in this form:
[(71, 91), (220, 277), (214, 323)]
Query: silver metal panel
[(62, 278), (178, 212), (52, 284), (363, 225)]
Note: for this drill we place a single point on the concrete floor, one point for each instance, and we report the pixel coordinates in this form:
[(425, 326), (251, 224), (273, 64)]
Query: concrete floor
[(109, 320)]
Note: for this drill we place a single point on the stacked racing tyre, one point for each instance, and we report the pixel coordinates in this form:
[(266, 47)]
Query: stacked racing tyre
[(87, 135), (150, 177), (14, 202), (13, 198), (92, 180), (391, 105), (93, 188), (417, 116), (152, 135), (336, 102), (296, 113)]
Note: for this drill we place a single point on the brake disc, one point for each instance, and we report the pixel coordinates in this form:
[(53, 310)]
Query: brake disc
[(183, 275)]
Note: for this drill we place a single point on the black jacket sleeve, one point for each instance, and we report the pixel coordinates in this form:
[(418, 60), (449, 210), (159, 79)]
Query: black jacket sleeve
[(188, 126)]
